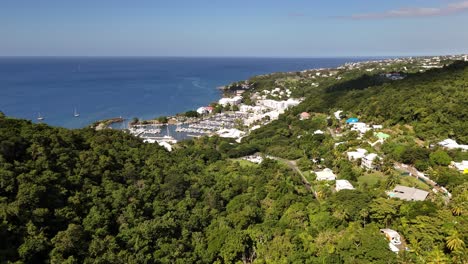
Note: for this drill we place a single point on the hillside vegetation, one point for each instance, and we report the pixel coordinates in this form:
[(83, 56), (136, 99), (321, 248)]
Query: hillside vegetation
[(85, 196), (434, 102)]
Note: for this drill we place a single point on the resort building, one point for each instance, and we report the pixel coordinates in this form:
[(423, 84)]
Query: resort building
[(236, 100), (252, 109), (279, 105)]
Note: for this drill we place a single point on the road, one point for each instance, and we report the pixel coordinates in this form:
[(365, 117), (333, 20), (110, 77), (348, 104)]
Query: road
[(293, 165)]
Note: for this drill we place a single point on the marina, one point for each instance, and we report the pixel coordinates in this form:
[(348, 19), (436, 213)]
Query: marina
[(205, 126)]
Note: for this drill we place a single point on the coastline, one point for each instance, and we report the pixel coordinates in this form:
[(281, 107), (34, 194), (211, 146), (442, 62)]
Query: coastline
[(246, 105)]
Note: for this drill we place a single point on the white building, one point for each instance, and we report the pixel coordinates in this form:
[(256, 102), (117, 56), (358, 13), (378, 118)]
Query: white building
[(230, 133), (337, 114), (254, 159), (251, 109), (273, 115), (343, 185), (166, 145), (367, 161), (355, 155), (236, 100), (392, 236), (202, 110), (279, 105), (360, 127), (325, 175), (452, 144), (461, 166)]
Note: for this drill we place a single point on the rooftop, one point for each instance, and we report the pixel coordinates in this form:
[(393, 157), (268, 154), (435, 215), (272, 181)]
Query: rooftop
[(408, 193), (325, 175), (343, 185)]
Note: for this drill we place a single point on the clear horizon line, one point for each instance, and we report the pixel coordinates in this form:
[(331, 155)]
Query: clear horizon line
[(229, 57), (190, 56)]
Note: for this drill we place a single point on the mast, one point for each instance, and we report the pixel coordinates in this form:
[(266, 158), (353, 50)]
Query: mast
[(39, 117)]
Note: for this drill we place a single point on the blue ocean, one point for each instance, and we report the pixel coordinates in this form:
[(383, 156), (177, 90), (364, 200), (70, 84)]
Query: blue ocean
[(101, 88)]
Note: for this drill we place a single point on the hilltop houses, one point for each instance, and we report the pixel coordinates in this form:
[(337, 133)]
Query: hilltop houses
[(461, 166), (343, 185), (360, 127), (392, 236), (382, 136), (337, 114), (355, 155), (367, 161), (325, 175), (452, 144)]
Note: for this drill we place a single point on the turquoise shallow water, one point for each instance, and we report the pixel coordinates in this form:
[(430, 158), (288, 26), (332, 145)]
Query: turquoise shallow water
[(101, 88)]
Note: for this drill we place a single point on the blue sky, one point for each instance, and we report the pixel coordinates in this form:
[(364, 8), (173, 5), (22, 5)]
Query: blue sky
[(294, 28)]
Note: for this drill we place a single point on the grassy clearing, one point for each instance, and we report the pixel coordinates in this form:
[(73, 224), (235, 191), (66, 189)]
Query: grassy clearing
[(413, 182), (371, 178), (308, 176)]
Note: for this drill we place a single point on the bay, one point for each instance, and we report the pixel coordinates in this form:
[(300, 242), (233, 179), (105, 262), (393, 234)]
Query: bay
[(108, 87)]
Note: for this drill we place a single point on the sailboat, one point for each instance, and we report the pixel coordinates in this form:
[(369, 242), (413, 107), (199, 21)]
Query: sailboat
[(168, 137), (75, 113), (40, 117)]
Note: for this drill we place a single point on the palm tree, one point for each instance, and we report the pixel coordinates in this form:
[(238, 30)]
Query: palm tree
[(454, 242), (341, 214), (457, 209), (436, 256), (459, 204), (392, 180)]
